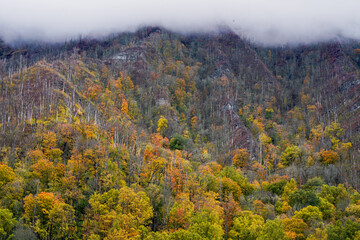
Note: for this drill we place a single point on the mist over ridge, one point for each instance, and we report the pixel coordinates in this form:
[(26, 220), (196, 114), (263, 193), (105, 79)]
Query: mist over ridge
[(273, 23)]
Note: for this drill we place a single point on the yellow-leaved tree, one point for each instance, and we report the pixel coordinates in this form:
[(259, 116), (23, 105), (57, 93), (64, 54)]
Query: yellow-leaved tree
[(118, 213), (162, 124)]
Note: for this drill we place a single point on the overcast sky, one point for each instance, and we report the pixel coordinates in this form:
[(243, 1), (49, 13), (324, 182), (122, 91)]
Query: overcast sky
[(264, 21)]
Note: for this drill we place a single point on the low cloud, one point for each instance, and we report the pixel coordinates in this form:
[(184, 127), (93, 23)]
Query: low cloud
[(270, 22)]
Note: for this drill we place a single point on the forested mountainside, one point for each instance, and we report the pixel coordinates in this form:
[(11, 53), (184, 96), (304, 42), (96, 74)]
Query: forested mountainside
[(157, 135)]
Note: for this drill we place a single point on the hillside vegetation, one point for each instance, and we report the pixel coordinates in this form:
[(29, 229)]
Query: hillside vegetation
[(156, 135)]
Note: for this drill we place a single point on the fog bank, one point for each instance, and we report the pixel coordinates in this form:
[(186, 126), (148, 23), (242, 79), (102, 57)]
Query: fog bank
[(271, 22)]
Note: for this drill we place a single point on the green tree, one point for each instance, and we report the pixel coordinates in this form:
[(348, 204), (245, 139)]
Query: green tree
[(237, 176), (340, 230), (303, 198), (182, 234), (274, 229), (310, 214), (207, 224), (276, 187), (292, 154), (269, 113), (62, 221), (178, 142), (328, 210), (336, 195), (247, 226), (7, 222)]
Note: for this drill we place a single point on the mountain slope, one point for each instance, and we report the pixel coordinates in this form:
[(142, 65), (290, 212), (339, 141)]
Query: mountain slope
[(184, 131)]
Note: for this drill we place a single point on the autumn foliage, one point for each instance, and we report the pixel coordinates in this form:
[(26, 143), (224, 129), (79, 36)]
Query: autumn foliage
[(155, 135)]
